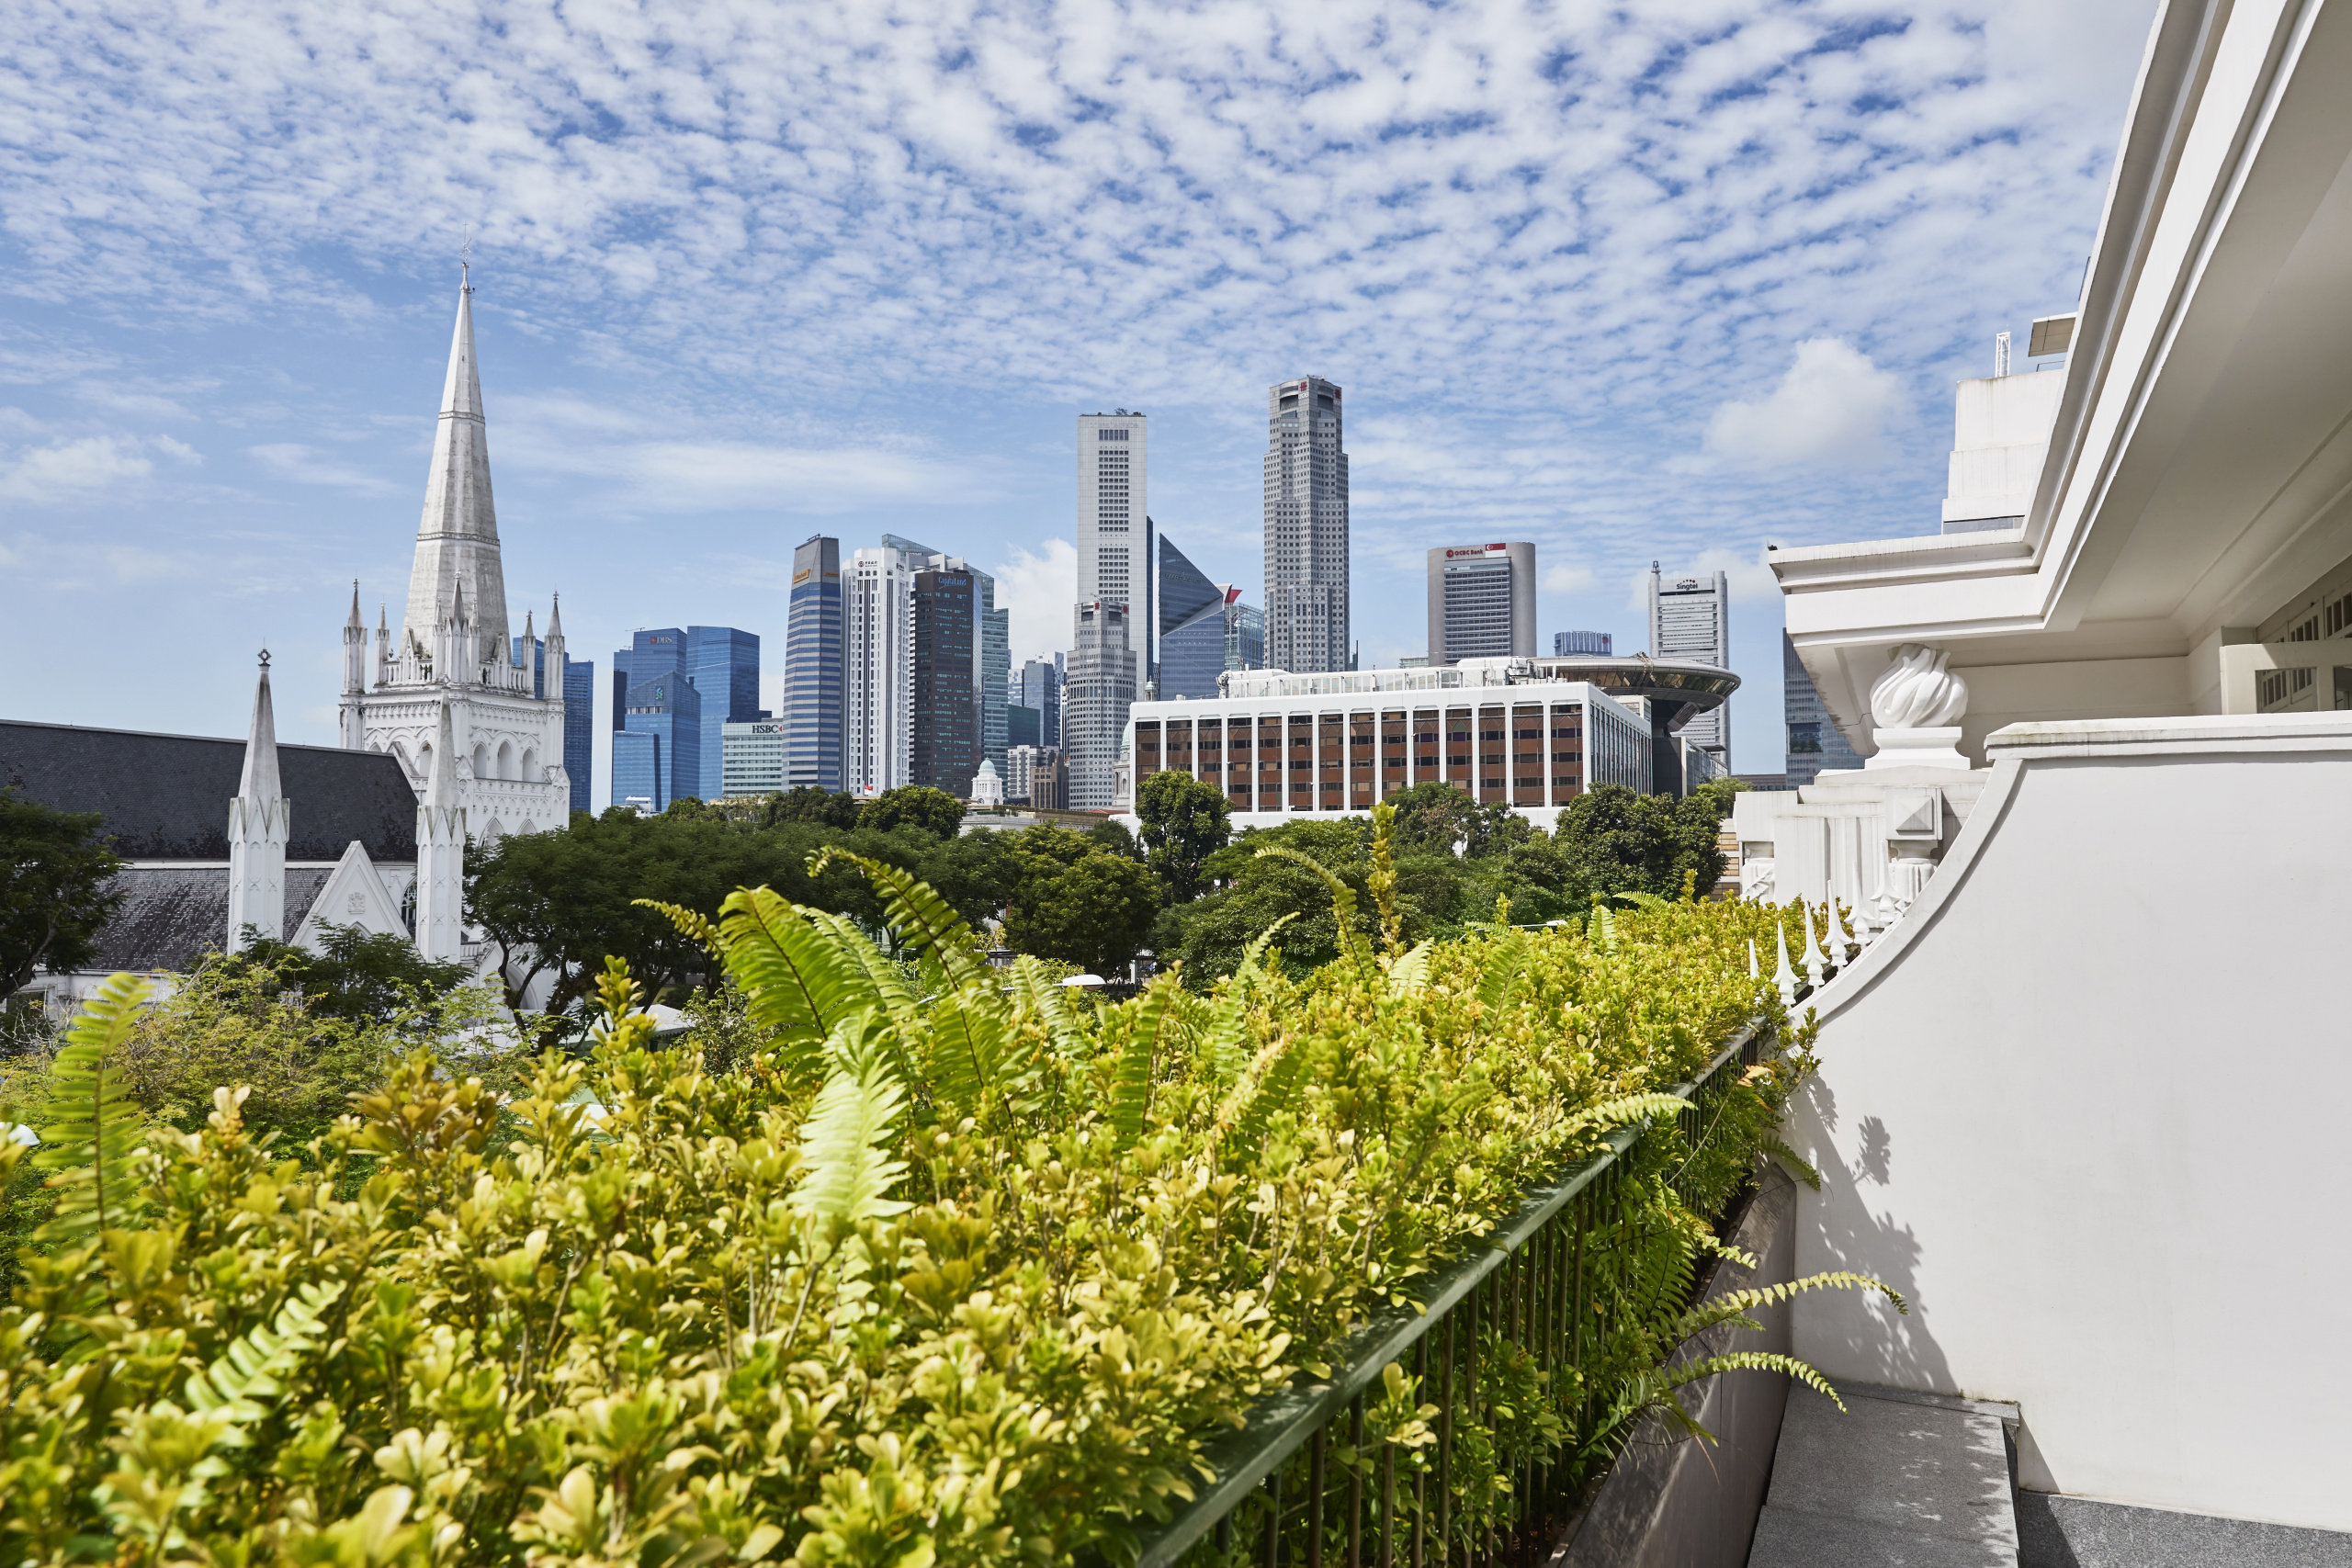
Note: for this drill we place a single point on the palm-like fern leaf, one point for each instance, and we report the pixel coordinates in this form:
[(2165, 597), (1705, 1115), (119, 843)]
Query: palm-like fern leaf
[(973, 1046), (91, 1126), (928, 925), (1410, 972), (1734, 1304), (1653, 1389), (795, 979), (1644, 900), (1276, 1080), (1343, 906), (847, 1176), (1604, 931), (1229, 1025), (1132, 1076), (252, 1373)]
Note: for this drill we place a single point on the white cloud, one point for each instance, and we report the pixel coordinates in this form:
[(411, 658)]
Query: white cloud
[(1561, 576), (302, 465), (1040, 590), (68, 471), (1830, 410)]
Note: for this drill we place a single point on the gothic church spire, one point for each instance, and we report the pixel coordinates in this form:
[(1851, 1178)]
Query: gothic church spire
[(456, 538)]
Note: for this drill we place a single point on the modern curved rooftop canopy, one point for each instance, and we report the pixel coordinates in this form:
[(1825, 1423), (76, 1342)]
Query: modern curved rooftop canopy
[(1676, 691)]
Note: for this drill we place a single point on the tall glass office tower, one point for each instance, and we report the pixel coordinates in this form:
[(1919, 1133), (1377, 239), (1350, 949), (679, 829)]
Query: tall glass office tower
[(669, 710), (579, 713), (723, 666), (944, 749), (1306, 528), (812, 667)]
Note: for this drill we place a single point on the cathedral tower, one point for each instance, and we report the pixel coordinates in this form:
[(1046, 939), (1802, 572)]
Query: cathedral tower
[(453, 672)]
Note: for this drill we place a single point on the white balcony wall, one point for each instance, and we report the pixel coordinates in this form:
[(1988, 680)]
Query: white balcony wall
[(2084, 1106)]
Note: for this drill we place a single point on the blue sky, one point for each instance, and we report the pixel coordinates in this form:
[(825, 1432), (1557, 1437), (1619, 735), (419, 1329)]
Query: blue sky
[(1659, 283)]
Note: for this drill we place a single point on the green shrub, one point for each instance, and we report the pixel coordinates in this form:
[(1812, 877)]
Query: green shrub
[(944, 1268)]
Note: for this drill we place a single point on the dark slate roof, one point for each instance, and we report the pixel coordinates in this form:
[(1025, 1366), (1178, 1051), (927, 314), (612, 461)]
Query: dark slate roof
[(171, 917), (166, 797)]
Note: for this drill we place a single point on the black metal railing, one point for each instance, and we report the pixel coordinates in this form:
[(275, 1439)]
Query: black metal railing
[(1298, 1484)]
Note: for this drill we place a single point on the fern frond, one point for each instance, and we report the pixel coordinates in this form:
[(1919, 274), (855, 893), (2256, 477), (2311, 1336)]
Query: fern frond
[(1644, 900), (795, 979), (878, 981), (1344, 906), (1132, 1076), (252, 1374), (1035, 994), (973, 1048), (1502, 967), (90, 1126), (1273, 1086), (1733, 1304), (929, 926), (1410, 972), (1604, 930), (1690, 1372), (1229, 1024), (691, 925), (1778, 1149), (847, 1177), (1626, 1109)]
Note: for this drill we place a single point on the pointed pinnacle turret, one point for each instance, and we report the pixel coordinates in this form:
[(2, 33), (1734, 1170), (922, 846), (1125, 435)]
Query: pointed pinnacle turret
[(357, 622), (555, 616), (441, 782), (258, 782)]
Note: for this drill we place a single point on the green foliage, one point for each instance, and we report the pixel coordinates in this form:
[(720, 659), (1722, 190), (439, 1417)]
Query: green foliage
[(91, 1124), (807, 803), (361, 976), (1615, 840), (928, 1265), (1095, 912), (1443, 817), (934, 811), (55, 872), (1185, 820)]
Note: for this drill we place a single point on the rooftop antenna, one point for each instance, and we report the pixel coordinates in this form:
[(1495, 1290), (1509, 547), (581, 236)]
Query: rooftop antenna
[(2001, 355), (264, 658)]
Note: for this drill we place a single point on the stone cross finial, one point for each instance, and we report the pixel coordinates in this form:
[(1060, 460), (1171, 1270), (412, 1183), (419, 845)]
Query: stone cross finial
[(264, 658)]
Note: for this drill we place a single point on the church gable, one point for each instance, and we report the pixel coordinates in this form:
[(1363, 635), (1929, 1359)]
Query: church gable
[(353, 895)]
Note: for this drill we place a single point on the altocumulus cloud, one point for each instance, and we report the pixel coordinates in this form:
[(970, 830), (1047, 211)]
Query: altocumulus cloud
[(1831, 409)]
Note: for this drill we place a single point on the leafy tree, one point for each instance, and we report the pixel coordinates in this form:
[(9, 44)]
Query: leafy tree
[(934, 811), (1112, 839), (358, 976), (1211, 934), (1184, 820), (55, 872), (1615, 841), (1095, 912), (807, 803), (1437, 816)]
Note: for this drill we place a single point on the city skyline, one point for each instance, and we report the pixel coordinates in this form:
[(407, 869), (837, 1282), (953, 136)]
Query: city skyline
[(1711, 259)]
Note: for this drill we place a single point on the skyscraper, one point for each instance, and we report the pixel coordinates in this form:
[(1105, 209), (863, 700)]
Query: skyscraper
[(723, 666), (1570, 645), (1038, 684), (1182, 595), (1690, 620), (812, 667), (1481, 602), (877, 664), (1094, 714), (1306, 528), (944, 750), (1116, 562), (579, 716), (667, 708)]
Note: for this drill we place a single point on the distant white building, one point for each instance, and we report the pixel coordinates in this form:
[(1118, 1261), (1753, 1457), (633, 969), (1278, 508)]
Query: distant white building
[(1523, 733), (1691, 622), (1482, 601), (753, 757), (987, 788)]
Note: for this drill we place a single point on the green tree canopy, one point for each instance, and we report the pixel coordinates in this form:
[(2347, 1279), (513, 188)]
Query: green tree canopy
[(934, 811), (1185, 820), (364, 977), (807, 803), (1437, 816), (1095, 912), (54, 871), (1615, 840), (1210, 934)]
